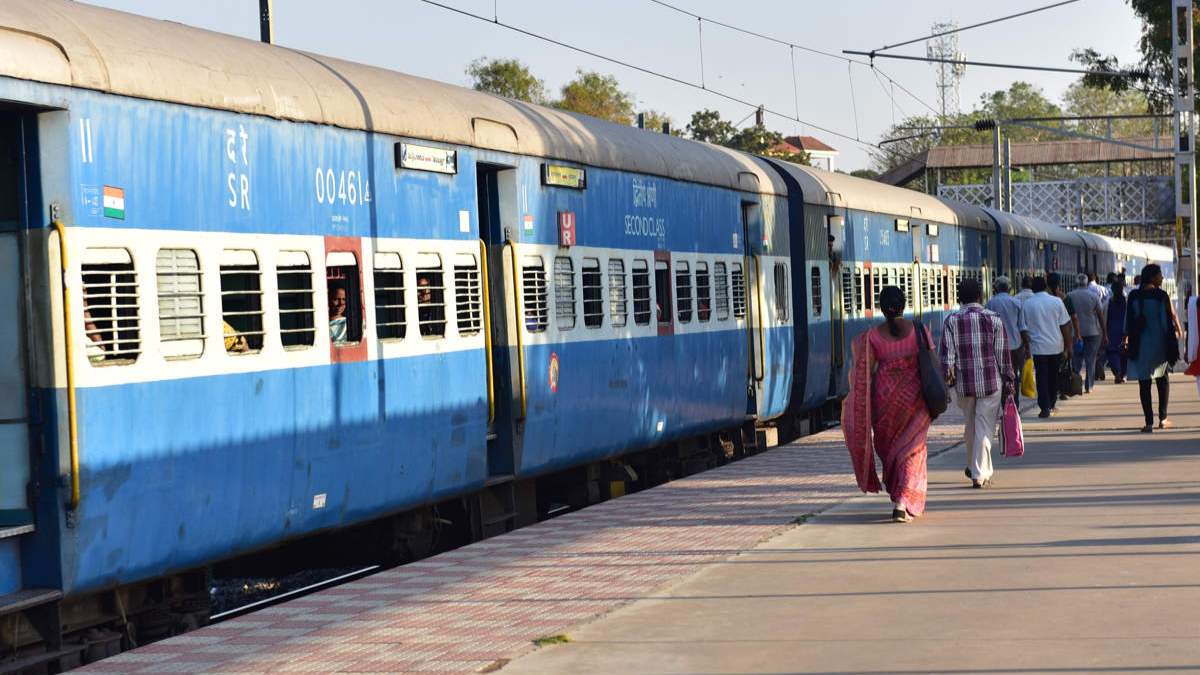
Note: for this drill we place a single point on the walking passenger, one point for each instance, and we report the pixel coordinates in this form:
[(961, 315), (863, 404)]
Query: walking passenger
[(1049, 333), (1115, 322), (1104, 292), (1013, 315), (1152, 342), (1026, 289), (1090, 321), (885, 412), (976, 362)]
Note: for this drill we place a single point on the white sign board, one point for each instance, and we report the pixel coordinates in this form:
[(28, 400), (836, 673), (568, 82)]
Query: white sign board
[(425, 158)]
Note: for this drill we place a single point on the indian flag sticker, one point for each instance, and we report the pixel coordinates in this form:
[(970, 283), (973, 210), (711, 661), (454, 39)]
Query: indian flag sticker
[(114, 202)]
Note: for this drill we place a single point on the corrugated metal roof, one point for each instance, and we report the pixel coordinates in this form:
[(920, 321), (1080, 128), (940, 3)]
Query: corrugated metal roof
[(71, 43), (1048, 152), (845, 191)]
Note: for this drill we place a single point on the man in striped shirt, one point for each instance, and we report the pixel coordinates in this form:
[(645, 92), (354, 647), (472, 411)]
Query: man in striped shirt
[(977, 363)]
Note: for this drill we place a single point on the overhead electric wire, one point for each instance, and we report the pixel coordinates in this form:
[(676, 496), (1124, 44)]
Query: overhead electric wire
[(642, 69), (976, 25), (992, 64), (793, 45)]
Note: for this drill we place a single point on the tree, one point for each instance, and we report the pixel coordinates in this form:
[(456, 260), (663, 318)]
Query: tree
[(1082, 100), (597, 95), (1021, 99), (865, 173), (707, 126), (758, 140), (1154, 80), (506, 77)]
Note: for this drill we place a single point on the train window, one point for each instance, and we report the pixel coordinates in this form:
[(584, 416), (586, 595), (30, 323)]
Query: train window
[(815, 287), (641, 292), (345, 298), (703, 292), (180, 303), (564, 293), (593, 293), (431, 296), (467, 297), (683, 291), (876, 284), (293, 274), (945, 290), (617, 304), (868, 296), (847, 292), (533, 283), (931, 229), (662, 292), (737, 281), (781, 291), (721, 291), (110, 307), (389, 296), (241, 301)]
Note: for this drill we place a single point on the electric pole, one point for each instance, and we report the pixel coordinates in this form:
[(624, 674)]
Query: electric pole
[(264, 22), (1183, 77)]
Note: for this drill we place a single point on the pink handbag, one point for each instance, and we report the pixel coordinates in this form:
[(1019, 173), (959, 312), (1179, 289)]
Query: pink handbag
[(1011, 435)]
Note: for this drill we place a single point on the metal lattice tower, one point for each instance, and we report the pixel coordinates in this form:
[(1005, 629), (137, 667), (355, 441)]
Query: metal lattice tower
[(948, 74)]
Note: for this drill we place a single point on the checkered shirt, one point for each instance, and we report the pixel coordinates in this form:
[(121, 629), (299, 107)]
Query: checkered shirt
[(975, 348)]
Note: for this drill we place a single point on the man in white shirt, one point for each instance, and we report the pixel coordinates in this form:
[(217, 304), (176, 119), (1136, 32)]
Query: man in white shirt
[(1026, 289), (1049, 332)]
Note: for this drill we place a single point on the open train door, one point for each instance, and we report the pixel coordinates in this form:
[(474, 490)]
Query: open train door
[(506, 503), (16, 130)]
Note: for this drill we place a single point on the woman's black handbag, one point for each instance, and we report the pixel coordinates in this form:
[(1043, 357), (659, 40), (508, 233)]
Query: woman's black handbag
[(933, 383)]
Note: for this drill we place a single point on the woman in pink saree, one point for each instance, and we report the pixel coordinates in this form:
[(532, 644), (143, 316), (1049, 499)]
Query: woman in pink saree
[(885, 412)]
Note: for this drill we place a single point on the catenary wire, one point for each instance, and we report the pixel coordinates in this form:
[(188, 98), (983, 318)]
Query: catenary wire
[(645, 70), (978, 25)]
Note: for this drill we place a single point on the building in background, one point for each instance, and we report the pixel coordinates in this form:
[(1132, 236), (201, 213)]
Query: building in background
[(820, 155)]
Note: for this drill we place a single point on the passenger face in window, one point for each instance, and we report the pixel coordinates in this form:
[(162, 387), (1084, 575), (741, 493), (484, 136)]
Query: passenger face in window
[(338, 328), (424, 295)]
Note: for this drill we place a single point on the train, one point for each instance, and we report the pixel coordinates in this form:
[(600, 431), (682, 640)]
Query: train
[(252, 296)]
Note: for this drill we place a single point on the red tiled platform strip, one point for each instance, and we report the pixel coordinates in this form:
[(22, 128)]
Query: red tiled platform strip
[(466, 609)]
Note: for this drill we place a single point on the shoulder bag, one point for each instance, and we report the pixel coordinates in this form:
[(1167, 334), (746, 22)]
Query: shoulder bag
[(933, 385)]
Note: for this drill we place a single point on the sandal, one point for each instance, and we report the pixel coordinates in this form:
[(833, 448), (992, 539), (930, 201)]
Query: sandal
[(1165, 424), (900, 516), (1147, 429)]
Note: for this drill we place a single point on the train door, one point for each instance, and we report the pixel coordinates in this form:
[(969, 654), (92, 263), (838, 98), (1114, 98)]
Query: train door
[(836, 236), (14, 404), (751, 224), (496, 193)]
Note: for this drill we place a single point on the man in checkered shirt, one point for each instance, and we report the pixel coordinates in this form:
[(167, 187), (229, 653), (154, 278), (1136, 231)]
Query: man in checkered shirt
[(977, 363)]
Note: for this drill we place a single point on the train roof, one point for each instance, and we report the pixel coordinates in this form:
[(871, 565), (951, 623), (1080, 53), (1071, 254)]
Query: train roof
[(74, 44), (970, 215), (1015, 225), (841, 190)]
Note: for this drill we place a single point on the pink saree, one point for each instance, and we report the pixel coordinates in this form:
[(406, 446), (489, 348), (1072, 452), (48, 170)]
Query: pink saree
[(885, 414)]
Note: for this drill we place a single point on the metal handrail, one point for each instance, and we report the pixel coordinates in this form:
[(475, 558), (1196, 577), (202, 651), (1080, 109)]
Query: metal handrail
[(487, 333), (72, 419), (762, 321), (511, 246)]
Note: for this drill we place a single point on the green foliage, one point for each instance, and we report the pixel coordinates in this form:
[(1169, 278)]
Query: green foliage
[(552, 640), (707, 126), (506, 77), (1155, 46), (869, 174), (597, 95), (1082, 100)]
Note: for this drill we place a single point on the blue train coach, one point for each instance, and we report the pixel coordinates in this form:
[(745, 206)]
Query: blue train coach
[(252, 294)]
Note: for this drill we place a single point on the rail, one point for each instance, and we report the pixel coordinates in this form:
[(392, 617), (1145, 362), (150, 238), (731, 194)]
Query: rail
[(519, 328), (762, 321), (487, 331), (69, 337)]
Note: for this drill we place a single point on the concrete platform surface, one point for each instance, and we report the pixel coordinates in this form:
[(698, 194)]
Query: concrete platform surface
[(1084, 557)]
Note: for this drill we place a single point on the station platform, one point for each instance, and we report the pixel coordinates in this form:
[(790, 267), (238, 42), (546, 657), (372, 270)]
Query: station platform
[(1083, 557)]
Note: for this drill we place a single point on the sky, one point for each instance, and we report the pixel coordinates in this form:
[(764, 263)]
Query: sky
[(417, 38)]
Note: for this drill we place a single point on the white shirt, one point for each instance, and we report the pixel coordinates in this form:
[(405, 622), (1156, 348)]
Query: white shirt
[(1101, 292), (1045, 315), (1024, 295)]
